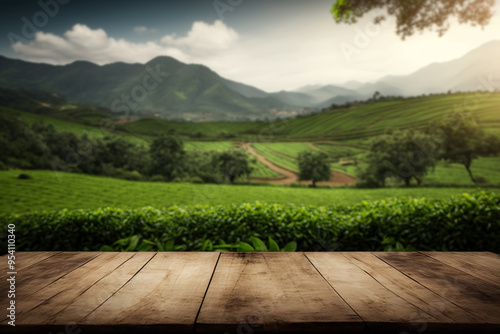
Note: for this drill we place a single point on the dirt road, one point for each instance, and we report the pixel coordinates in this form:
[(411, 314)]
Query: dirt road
[(337, 179)]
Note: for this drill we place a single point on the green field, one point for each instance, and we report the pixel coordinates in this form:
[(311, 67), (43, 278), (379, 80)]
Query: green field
[(45, 191), (351, 123), (344, 134), (74, 127), (284, 155), (206, 146)]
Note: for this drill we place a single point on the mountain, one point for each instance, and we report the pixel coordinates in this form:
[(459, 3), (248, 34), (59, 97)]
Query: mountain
[(163, 86), (476, 70), (466, 73), (171, 89)]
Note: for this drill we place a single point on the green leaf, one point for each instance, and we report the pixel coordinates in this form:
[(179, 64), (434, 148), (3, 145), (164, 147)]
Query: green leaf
[(258, 244), (244, 247), (207, 246), (106, 248), (168, 246), (273, 246), (145, 246), (134, 241), (290, 247)]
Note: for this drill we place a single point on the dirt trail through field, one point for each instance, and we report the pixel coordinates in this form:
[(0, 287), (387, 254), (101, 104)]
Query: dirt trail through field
[(288, 177), (317, 148)]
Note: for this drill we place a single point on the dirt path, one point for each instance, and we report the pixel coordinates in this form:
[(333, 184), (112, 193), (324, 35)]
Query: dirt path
[(288, 176), (317, 148), (338, 178)]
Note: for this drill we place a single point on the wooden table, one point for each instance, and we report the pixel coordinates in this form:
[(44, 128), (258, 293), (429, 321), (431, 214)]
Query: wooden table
[(419, 292)]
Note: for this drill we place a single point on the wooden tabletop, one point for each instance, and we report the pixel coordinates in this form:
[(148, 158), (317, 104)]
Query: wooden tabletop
[(416, 292)]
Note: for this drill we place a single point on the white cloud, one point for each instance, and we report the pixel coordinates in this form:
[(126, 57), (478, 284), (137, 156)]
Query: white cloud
[(143, 30), (94, 45), (271, 54), (204, 38)]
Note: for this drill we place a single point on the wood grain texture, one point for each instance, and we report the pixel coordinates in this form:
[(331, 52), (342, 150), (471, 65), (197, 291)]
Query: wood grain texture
[(272, 292), (44, 304), (165, 295), (43, 273), (98, 293), (24, 260), (93, 292), (448, 316), (483, 265), (381, 308), (464, 290)]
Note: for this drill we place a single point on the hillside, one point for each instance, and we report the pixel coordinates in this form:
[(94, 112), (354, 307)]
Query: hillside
[(354, 122), (181, 91), (173, 90), (476, 70), (79, 191)]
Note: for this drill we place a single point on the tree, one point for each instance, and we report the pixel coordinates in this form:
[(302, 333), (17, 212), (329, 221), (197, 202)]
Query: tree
[(400, 156), (230, 165), (167, 157), (314, 166), (463, 140), (417, 14)]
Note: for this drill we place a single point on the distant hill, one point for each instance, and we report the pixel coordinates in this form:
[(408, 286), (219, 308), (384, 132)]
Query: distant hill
[(463, 74), (196, 93), (467, 73), (191, 92)]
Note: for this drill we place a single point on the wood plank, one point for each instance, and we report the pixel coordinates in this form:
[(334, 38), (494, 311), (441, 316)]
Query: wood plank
[(43, 305), (449, 317), (483, 265), (466, 291), (272, 292), (43, 273), (379, 307), (24, 260), (164, 296), (98, 293)]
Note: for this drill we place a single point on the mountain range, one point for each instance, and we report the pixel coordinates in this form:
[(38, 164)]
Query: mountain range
[(171, 89)]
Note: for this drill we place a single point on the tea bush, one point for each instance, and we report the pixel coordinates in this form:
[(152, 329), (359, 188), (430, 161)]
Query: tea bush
[(461, 223)]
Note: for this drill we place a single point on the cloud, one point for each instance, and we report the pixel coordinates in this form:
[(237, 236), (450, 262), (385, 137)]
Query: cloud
[(204, 38), (94, 45), (143, 30)]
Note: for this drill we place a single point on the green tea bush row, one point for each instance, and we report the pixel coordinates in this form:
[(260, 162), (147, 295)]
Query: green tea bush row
[(461, 223)]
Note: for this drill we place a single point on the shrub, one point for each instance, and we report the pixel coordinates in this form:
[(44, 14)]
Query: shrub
[(132, 176), (196, 179), (157, 178), (461, 223)]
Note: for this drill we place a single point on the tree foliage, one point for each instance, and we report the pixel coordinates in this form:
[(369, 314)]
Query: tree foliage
[(416, 15), (167, 155), (400, 156), (314, 166), (230, 165), (463, 141)]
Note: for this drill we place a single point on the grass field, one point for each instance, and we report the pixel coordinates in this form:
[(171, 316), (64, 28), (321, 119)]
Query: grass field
[(70, 126), (343, 133), (76, 191), (207, 129), (352, 123), (208, 145)]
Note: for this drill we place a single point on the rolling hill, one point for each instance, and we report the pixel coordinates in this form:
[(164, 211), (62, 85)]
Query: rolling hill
[(173, 90), (163, 86), (476, 70), (354, 122)]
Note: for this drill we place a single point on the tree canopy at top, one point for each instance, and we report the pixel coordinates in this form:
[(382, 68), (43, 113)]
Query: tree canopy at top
[(412, 15)]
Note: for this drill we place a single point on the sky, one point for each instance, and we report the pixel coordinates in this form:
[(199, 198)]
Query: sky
[(271, 44)]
